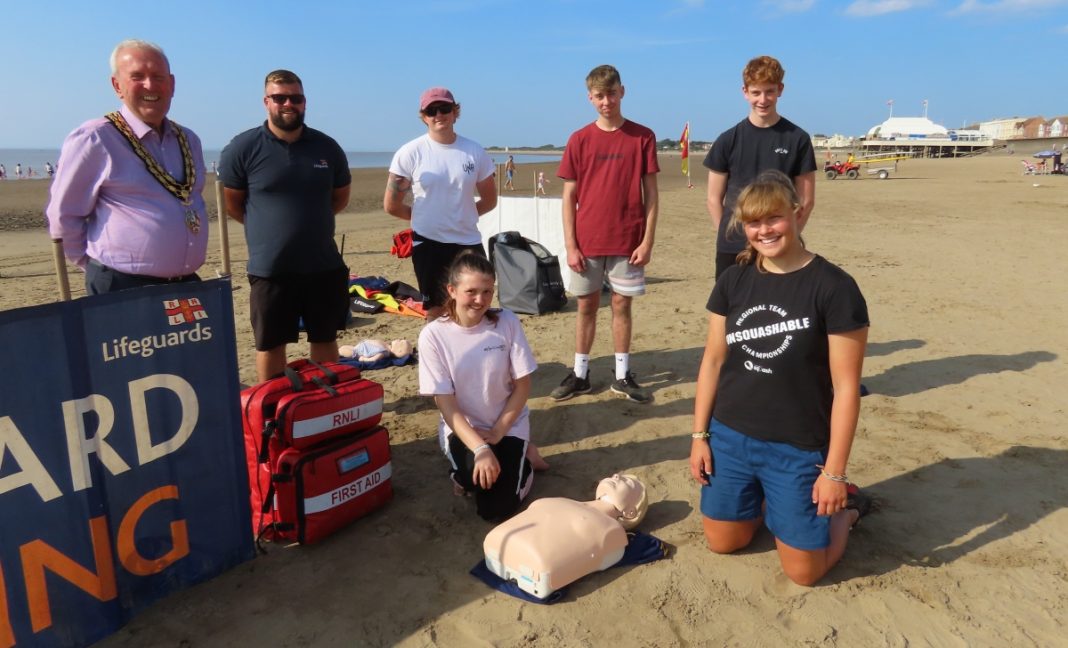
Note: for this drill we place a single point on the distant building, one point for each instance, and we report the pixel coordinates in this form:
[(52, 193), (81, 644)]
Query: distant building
[(1058, 127), (834, 141), (999, 129), (1031, 128), (904, 128)]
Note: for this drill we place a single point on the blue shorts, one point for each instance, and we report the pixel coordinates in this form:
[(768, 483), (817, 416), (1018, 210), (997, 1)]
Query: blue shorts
[(750, 472)]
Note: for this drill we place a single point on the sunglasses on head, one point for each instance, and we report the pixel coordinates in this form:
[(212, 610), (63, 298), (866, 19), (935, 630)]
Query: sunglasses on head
[(280, 99), (434, 109)]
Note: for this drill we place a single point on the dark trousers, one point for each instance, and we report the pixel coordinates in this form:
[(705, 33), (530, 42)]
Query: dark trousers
[(100, 279)]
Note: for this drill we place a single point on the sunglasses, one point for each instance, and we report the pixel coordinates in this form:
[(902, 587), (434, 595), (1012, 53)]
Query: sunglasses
[(280, 99), (434, 110)]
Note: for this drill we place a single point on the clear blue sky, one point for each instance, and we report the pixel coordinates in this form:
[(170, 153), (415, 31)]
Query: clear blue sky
[(518, 66)]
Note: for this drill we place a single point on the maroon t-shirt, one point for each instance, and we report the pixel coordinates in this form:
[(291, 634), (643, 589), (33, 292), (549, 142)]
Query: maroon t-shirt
[(608, 168)]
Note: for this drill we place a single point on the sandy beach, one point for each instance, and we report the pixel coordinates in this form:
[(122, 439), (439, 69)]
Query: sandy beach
[(962, 442)]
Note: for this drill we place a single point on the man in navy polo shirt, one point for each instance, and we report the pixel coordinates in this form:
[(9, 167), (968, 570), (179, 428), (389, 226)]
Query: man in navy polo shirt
[(285, 182)]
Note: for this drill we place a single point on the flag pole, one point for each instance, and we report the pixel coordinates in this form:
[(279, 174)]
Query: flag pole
[(689, 182), (224, 232), (62, 281)]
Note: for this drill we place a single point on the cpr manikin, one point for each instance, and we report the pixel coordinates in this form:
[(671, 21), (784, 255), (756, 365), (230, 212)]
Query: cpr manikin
[(557, 541), (375, 350)]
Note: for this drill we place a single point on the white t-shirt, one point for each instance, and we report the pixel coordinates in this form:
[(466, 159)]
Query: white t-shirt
[(479, 365), (443, 186)]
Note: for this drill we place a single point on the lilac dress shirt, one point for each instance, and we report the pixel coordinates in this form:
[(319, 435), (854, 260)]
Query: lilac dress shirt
[(106, 206)]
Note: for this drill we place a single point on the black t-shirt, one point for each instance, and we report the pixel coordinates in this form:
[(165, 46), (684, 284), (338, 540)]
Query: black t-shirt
[(743, 152), (289, 215), (775, 384)]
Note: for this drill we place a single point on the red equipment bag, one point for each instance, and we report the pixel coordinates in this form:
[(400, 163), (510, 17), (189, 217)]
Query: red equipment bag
[(402, 244), (322, 489), (305, 418), (311, 404), (259, 402)]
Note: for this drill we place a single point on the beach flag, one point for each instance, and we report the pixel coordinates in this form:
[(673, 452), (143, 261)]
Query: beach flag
[(684, 144)]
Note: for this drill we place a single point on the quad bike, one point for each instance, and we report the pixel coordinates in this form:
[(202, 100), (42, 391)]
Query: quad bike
[(850, 170)]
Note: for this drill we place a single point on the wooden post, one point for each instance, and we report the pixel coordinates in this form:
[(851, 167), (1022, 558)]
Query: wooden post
[(224, 232), (61, 269)]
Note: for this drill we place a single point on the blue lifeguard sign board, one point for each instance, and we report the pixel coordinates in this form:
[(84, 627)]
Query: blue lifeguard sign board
[(122, 474)]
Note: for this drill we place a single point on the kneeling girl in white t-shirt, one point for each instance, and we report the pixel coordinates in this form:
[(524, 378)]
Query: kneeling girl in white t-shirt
[(476, 363)]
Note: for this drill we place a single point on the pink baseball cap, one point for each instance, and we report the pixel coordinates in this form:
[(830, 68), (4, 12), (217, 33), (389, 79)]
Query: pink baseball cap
[(435, 94)]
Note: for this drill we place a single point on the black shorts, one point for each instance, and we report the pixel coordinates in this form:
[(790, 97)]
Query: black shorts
[(431, 260), (512, 485), (277, 304)]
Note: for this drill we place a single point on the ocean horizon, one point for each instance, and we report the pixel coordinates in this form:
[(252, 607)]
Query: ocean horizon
[(36, 158)]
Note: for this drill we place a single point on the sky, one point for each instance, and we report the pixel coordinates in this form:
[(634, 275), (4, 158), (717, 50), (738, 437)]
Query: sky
[(518, 67)]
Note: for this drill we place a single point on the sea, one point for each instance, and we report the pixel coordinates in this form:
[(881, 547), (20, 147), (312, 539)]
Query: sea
[(36, 158)]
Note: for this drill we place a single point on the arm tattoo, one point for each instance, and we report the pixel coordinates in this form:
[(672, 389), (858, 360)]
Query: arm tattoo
[(398, 184)]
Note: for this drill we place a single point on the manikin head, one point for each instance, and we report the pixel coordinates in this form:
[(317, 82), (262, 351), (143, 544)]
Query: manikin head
[(400, 348), (627, 494)]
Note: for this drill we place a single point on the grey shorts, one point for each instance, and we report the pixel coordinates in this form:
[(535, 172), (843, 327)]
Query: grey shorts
[(626, 279)]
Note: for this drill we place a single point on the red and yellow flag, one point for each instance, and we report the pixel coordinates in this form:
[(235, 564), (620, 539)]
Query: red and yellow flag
[(684, 144)]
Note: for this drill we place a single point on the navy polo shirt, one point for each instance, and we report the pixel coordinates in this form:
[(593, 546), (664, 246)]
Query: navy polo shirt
[(289, 220)]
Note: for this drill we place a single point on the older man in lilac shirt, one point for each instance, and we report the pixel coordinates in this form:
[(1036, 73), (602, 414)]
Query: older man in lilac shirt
[(126, 196)]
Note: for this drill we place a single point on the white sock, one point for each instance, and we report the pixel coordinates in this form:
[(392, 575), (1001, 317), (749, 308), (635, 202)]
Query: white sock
[(622, 365), (582, 365)]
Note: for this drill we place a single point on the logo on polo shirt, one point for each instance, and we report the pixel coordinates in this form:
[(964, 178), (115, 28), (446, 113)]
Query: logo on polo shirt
[(782, 151), (321, 164), (469, 167)]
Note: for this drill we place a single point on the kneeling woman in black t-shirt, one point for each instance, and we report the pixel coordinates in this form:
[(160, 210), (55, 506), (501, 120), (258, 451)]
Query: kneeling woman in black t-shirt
[(778, 393)]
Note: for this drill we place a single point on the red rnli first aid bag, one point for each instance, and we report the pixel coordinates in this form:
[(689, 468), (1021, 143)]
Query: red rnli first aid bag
[(311, 405), (322, 489)]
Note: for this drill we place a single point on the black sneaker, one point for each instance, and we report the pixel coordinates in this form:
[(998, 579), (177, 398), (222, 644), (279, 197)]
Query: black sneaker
[(630, 388), (571, 386), (858, 501)]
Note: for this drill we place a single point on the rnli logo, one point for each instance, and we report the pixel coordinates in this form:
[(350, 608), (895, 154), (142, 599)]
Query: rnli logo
[(184, 311), (321, 164)]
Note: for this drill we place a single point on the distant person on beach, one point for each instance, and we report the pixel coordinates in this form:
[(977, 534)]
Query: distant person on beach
[(443, 170), (132, 220), (286, 182), (49, 169), (778, 391), (18, 171), (476, 363), (763, 140), (3, 172), (610, 208), (509, 173), (542, 181)]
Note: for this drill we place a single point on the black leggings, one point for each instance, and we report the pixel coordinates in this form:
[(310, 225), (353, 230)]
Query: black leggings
[(503, 497)]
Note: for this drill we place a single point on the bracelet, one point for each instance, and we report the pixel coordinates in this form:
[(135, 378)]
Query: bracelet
[(484, 446), (700, 435), (841, 479)]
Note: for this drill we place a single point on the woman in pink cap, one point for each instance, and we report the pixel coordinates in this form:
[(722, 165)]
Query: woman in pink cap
[(443, 171)]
